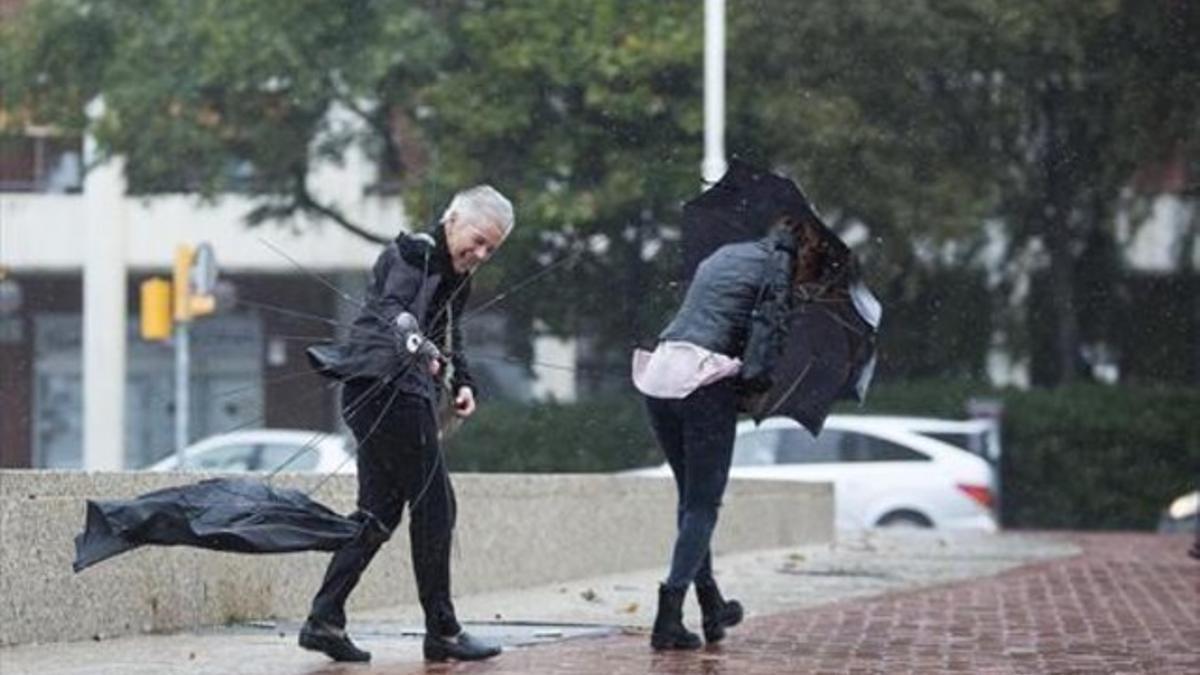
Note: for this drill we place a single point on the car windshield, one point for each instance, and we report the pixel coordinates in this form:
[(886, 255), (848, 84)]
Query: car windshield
[(288, 457), (238, 457), (763, 447)]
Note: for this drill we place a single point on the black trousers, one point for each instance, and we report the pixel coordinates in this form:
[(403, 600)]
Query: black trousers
[(696, 434), (399, 462)]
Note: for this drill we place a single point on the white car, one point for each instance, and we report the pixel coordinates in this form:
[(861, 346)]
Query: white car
[(266, 450), (1181, 514), (884, 473)]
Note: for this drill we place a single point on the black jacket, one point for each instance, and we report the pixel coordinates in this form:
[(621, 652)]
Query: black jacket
[(738, 304), (413, 274)]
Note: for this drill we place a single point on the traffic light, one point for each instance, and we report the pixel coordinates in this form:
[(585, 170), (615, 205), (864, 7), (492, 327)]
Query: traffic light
[(191, 293), (156, 309), (194, 281)]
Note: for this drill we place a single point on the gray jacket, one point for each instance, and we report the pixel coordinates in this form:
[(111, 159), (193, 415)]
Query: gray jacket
[(737, 289)]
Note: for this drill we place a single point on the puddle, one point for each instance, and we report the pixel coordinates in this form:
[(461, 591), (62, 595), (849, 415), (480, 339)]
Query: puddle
[(507, 633), (855, 573)]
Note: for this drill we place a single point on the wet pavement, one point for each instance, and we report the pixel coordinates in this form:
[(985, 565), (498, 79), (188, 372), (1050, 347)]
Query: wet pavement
[(903, 603)]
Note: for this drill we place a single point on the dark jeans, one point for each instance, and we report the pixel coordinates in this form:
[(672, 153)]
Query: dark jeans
[(399, 462), (696, 434)]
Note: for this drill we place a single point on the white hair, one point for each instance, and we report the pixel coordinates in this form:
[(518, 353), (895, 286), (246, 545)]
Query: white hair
[(483, 201)]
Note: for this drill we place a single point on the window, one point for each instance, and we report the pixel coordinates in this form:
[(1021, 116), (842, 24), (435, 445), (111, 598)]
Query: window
[(273, 455), (864, 448), (40, 164), (756, 448), (228, 458), (797, 446), (969, 442)]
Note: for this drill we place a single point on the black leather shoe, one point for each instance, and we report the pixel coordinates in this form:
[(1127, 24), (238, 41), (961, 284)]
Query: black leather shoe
[(331, 641), (461, 647)]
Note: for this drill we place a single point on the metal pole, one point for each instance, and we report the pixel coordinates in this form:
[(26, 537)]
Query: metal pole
[(714, 91), (182, 402)]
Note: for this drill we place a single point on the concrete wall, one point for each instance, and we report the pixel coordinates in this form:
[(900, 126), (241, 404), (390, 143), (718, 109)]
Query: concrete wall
[(514, 531)]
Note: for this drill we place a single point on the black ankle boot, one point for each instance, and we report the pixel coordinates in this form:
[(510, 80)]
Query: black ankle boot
[(331, 641), (669, 631), (461, 647), (717, 612)]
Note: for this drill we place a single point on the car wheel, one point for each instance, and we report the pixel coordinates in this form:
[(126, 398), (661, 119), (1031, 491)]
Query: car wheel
[(904, 520)]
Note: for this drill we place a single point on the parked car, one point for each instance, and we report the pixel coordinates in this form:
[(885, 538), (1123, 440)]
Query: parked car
[(1181, 514), (266, 450), (884, 474)]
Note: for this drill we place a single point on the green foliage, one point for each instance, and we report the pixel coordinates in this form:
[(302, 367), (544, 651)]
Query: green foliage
[(921, 119), (1088, 456), (588, 114), (938, 322), (210, 96), (606, 434), (915, 121), (859, 100)]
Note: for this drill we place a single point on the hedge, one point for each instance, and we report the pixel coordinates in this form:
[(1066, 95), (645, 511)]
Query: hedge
[(605, 434), (1087, 456)]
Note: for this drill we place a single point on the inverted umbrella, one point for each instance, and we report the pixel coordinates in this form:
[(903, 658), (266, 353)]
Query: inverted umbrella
[(222, 514), (829, 349)]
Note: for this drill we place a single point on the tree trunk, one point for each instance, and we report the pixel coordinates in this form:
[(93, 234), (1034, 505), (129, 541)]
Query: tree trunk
[(1059, 188), (1062, 301)]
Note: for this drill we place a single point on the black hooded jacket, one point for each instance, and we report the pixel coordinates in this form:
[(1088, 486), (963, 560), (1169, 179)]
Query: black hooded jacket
[(413, 274)]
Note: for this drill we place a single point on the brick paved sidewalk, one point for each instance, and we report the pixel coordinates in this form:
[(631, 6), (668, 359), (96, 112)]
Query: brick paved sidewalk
[(1129, 604)]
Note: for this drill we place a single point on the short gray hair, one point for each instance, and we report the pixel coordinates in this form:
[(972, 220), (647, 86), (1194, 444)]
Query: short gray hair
[(484, 201)]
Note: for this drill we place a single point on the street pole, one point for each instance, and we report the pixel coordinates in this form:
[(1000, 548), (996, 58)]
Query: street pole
[(714, 91), (193, 286), (182, 400), (182, 314)]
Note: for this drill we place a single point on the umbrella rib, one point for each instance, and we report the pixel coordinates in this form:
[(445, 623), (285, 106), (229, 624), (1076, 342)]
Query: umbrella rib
[(790, 390), (845, 324)]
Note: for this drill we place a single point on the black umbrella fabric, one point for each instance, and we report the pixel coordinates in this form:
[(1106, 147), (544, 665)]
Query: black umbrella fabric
[(829, 355), (739, 207), (223, 514), (829, 350)]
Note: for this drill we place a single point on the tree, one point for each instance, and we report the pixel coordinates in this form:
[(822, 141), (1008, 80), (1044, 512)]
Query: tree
[(211, 96), (910, 123), (863, 103), (921, 120), (1087, 95), (588, 114)]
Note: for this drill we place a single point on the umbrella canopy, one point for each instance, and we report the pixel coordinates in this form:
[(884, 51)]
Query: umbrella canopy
[(829, 351), (739, 207), (222, 514)]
